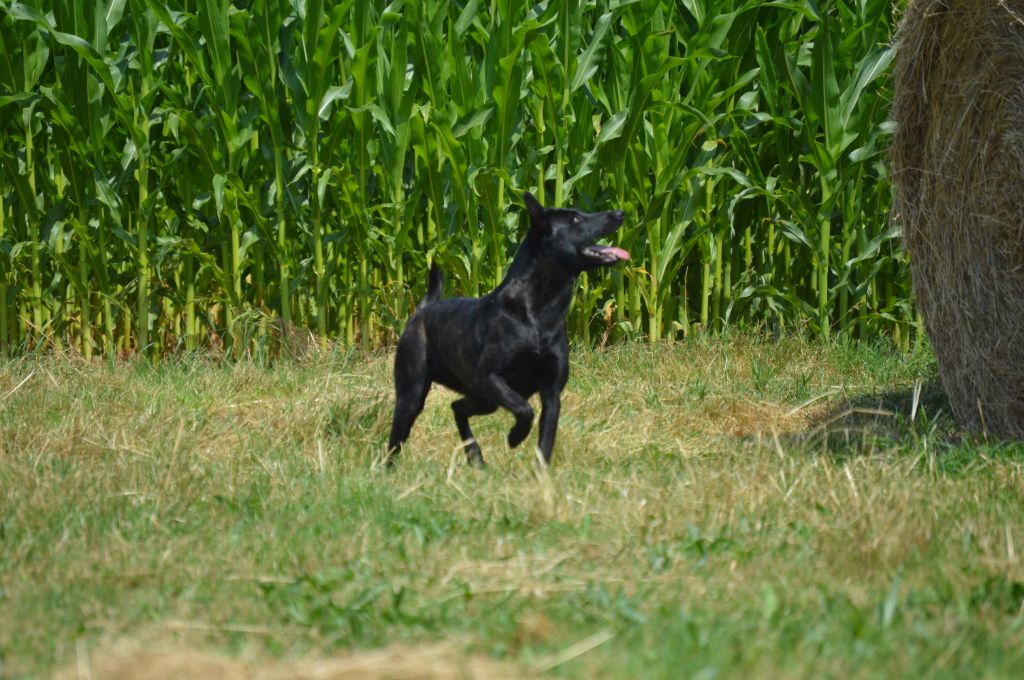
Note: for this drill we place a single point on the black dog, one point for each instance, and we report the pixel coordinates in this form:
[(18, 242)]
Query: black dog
[(502, 348)]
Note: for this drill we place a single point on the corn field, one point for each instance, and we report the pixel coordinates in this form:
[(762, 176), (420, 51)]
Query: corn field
[(189, 174)]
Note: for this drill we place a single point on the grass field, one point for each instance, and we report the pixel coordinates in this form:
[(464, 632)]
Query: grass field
[(717, 508)]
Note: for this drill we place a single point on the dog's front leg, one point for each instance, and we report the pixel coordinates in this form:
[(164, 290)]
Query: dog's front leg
[(494, 389), (551, 406)]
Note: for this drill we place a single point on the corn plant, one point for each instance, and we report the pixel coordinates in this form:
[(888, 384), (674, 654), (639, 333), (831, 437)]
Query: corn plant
[(212, 173)]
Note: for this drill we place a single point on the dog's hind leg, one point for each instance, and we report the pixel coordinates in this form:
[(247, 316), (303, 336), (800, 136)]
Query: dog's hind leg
[(463, 409), (407, 408), (411, 386)]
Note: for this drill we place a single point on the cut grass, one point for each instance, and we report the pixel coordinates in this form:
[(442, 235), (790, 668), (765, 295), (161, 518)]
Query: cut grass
[(717, 507)]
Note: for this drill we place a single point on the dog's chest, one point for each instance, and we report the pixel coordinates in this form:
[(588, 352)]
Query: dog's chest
[(523, 335), (529, 372), (529, 310)]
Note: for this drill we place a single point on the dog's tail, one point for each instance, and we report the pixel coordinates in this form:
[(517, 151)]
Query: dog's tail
[(435, 285)]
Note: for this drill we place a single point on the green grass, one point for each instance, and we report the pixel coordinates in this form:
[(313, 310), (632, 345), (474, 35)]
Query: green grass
[(717, 508)]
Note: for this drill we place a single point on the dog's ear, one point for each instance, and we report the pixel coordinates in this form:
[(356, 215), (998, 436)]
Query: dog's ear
[(535, 209)]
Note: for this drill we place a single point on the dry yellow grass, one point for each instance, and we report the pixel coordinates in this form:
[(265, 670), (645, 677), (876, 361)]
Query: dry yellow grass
[(730, 506), (426, 662)]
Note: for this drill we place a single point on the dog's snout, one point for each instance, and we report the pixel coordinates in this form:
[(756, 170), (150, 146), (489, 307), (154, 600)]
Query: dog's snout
[(619, 215)]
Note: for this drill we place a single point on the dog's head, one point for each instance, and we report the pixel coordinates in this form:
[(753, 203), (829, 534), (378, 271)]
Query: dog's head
[(570, 237)]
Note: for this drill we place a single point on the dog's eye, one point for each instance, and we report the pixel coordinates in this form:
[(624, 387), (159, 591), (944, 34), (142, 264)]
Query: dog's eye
[(576, 219)]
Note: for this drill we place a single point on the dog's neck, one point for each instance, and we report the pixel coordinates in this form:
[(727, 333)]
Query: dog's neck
[(534, 276)]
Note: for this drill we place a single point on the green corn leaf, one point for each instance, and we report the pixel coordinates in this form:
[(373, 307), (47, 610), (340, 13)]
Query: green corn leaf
[(873, 66), (588, 63)]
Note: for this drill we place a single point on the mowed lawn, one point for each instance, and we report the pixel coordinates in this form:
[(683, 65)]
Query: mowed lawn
[(717, 508)]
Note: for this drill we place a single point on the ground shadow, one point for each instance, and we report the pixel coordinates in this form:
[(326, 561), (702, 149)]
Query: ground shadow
[(868, 423)]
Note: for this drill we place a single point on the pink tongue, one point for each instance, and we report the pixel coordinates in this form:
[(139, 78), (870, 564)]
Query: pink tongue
[(618, 252)]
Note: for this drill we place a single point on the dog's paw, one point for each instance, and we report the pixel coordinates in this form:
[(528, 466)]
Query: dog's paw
[(474, 456), (519, 433)]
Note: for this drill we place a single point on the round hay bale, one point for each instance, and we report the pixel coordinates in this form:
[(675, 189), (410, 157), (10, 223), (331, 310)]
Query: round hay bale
[(958, 171)]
